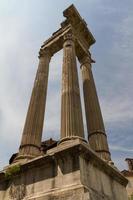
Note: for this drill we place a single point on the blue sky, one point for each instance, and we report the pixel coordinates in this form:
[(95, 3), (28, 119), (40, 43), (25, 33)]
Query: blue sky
[(24, 25)]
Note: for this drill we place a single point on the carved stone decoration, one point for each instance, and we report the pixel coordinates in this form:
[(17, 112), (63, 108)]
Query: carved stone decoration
[(17, 192)]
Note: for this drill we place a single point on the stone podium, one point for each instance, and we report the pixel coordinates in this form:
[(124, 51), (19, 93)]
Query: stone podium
[(73, 168)]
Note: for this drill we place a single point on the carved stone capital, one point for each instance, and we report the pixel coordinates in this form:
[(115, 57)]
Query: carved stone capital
[(68, 36), (85, 60), (45, 52), (68, 39)]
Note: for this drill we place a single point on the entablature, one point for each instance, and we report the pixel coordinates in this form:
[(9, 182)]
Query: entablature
[(75, 24)]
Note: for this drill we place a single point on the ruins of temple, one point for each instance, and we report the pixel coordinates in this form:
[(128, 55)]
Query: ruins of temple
[(72, 168)]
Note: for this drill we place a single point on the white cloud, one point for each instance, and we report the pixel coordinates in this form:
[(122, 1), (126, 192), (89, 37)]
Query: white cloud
[(119, 148), (124, 32), (117, 109)]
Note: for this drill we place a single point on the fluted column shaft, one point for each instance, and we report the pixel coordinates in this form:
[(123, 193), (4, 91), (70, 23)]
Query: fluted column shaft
[(96, 130), (32, 133), (71, 112)]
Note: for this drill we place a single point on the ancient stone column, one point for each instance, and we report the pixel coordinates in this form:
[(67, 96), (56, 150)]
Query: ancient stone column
[(71, 113), (96, 131), (32, 133)]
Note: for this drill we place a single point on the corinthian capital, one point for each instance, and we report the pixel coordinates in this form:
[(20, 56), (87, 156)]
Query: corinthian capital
[(68, 36), (68, 39), (45, 52), (86, 59)]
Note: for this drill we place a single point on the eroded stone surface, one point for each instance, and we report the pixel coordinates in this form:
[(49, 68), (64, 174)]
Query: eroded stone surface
[(70, 172)]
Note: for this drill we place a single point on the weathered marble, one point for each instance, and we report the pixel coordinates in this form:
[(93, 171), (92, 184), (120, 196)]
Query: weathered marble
[(96, 132), (32, 133), (71, 171), (71, 113)]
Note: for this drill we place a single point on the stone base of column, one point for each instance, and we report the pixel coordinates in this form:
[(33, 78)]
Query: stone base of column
[(70, 139), (98, 142), (23, 156)]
